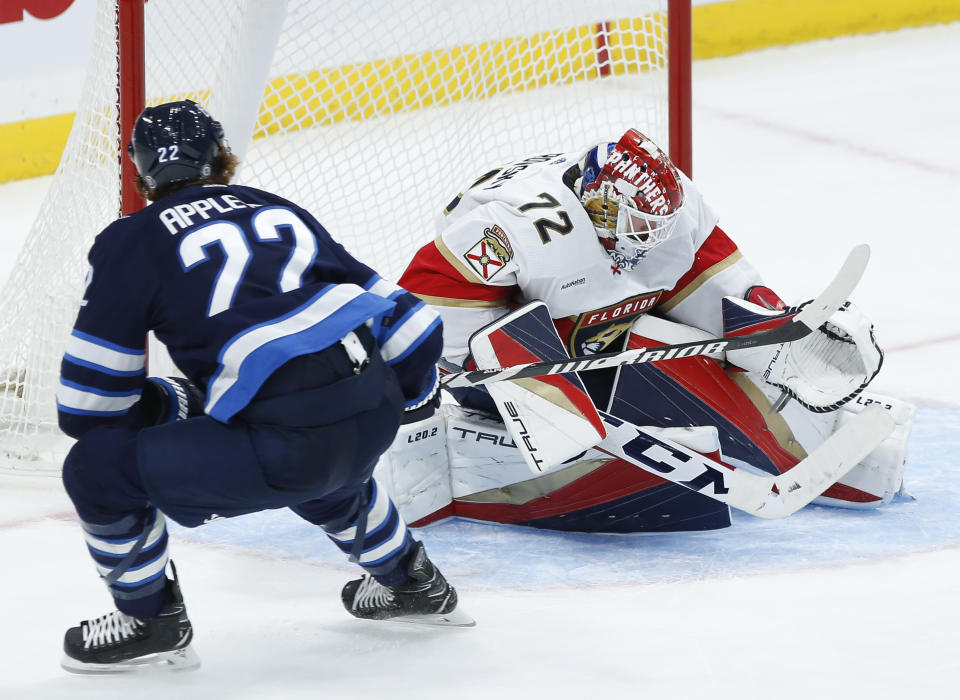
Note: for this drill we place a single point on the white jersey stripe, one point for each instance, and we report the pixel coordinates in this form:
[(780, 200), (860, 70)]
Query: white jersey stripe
[(325, 319), (382, 287), (79, 399), (409, 331), (112, 359)]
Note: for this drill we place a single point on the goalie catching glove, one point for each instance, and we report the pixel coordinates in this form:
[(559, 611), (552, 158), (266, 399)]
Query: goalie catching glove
[(823, 370)]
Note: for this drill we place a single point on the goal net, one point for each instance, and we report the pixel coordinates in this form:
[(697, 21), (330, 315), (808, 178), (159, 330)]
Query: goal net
[(369, 114)]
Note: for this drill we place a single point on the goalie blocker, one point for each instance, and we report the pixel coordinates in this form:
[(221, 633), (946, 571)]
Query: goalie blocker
[(466, 462)]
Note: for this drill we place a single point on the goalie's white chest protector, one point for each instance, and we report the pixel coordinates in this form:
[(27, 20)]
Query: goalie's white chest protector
[(525, 226)]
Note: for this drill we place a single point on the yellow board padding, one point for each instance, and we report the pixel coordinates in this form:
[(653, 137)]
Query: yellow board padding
[(33, 147), (443, 77), (728, 28)]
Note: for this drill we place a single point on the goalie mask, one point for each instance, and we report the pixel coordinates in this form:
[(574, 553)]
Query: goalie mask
[(633, 199), (175, 142)]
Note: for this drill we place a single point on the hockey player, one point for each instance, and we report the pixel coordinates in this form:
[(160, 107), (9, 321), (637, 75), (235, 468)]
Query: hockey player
[(624, 251), (300, 362)]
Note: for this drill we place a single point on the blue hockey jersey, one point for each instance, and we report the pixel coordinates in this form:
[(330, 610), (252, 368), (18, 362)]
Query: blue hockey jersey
[(234, 281)]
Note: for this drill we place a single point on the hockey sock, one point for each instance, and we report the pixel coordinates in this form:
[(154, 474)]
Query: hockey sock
[(377, 538), (131, 557)]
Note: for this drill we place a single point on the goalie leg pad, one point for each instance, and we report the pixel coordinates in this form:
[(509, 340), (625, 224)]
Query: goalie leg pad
[(696, 391), (589, 493), (880, 474), (483, 454), (878, 478), (415, 471)]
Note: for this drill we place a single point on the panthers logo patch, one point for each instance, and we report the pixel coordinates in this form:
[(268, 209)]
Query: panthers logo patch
[(595, 331), (489, 255)]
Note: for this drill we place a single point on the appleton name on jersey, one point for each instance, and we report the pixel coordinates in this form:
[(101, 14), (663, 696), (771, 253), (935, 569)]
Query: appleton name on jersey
[(520, 233), (181, 267)]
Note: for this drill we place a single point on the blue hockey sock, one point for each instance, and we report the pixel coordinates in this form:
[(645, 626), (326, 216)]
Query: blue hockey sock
[(377, 538), (131, 557)]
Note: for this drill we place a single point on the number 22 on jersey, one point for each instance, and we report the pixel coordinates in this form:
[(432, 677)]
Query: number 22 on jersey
[(267, 225)]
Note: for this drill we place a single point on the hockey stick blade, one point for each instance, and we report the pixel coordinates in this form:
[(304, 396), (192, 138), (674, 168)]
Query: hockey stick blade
[(770, 497), (813, 315), (817, 311)]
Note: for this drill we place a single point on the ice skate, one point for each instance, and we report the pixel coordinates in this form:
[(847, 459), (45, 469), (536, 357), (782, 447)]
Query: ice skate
[(427, 599), (116, 642)]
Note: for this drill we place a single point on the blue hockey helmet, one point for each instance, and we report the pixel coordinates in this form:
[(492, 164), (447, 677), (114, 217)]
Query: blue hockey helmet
[(175, 142)]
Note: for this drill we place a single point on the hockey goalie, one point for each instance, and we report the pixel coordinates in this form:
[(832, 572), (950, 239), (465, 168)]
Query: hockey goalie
[(608, 249)]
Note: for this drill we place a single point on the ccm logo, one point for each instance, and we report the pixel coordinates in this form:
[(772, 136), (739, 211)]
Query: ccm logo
[(12, 10), (685, 469)]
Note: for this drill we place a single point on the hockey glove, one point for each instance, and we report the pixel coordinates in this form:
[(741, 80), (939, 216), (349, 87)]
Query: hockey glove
[(823, 370), (168, 399), (421, 411)]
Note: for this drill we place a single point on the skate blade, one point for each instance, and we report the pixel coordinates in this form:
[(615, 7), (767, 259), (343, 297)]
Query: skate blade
[(185, 659), (456, 618)]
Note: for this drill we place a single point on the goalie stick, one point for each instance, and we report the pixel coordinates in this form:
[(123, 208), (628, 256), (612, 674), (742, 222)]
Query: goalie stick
[(813, 315), (769, 497)]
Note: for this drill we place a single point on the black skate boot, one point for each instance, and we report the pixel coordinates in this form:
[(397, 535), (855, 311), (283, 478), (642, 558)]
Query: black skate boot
[(427, 599), (118, 642)]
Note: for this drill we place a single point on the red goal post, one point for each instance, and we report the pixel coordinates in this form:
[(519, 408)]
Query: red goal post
[(367, 113), (677, 63)]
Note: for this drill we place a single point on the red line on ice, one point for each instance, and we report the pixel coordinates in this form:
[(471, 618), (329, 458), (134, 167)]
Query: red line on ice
[(830, 141), (14, 524), (925, 343)]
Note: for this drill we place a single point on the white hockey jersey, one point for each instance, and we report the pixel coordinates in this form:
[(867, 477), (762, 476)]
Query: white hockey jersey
[(520, 233)]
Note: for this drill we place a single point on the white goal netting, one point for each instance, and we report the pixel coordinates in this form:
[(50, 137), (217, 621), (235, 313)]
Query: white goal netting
[(370, 114)]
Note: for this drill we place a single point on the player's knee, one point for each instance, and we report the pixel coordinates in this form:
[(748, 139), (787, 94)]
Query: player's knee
[(75, 477), (100, 472), (82, 468)]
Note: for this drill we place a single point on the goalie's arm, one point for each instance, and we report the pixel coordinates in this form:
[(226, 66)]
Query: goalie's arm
[(813, 314), (468, 293), (718, 270)]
